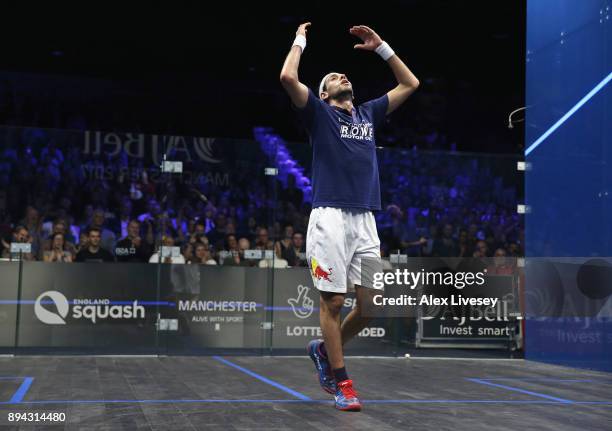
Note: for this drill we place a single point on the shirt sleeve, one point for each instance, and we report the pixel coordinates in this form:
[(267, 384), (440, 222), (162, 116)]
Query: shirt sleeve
[(378, 108), (308, 113)]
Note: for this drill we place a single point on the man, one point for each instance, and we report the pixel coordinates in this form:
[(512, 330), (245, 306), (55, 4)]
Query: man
[(295, 253), (98, 222), (120, 225), (94, 252), (230, 250), (262, 240), (346, 188), (167, 244), (20, 235), (237, 256), (132, 248), (446, 245)]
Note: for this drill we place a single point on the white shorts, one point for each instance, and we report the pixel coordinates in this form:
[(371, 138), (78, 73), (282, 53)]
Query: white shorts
[(336, 241)]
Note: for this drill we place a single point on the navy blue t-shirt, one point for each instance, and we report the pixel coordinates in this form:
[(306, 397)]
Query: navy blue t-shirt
[(344, 165)]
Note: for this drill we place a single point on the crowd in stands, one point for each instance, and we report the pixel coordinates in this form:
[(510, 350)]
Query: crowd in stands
[(435, 204)]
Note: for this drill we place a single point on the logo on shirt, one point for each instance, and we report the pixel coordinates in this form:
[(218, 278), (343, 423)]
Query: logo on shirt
[(361, 132)]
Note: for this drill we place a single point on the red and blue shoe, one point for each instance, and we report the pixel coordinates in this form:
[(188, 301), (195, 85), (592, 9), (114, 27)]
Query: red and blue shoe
[(324, 371), (346, 397)]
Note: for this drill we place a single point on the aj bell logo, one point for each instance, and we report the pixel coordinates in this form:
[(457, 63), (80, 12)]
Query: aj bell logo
[(88, 309), (302, 306), (135, 145)]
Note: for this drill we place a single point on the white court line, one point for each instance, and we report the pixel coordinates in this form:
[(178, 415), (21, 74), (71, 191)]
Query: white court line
[(402, 357), (89, 356), (307, 357), (433, 358)]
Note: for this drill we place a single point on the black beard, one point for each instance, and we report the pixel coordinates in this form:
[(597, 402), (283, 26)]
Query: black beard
[(342, 96)]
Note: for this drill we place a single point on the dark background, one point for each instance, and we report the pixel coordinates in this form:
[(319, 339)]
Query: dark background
[(199, 68)]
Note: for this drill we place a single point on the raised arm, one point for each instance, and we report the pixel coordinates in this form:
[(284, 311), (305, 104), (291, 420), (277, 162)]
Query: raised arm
[(407, 83), (297, 91)]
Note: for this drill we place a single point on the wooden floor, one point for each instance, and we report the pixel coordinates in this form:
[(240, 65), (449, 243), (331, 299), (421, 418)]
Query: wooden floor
[(280, 393)]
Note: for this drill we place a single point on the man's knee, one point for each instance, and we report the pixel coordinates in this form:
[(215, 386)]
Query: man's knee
[(332, 302), (365, 299)]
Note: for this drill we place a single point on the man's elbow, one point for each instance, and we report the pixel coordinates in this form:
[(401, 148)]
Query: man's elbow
[(412, 85), (288, 78), (409, 88)]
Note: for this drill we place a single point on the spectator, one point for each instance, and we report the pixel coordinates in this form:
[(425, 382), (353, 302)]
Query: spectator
[(94, 252), (446, 245), (262, 241), (217, 234), (232, 243), (187, 251), (295, 255), (285, 242), (230, 250), (167, 245), (463, 245), (238, 258), (423, 191), (501, 264), (482, 249), (133, 248), (202, 255), (251, 228), (59, 227), (20, 235), (153, 211), (58, 252), (121, 224), (291, 193), (83, 242), (33, 223), (108, 238)]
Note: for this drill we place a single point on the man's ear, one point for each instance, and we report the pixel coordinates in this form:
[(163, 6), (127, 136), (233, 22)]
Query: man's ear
[(324, 95)]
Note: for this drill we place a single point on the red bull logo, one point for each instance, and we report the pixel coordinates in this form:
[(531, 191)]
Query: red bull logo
[(318, 272)]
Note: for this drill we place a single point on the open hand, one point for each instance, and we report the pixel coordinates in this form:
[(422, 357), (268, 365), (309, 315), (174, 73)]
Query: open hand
[(370, 39)]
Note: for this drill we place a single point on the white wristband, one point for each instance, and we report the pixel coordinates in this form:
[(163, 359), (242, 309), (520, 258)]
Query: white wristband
[(385, 51), (300, 41)]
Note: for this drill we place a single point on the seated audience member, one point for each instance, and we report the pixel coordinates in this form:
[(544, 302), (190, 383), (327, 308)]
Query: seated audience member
[(59, 227), (262, 241), (94, 252), (295, 254), (59, 252), (237, 257), (501, 265), (133, 248), (107, 237), (167, 242), (229, 250), (202, 255), (20, 235), (281, 246), (83, 242)]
